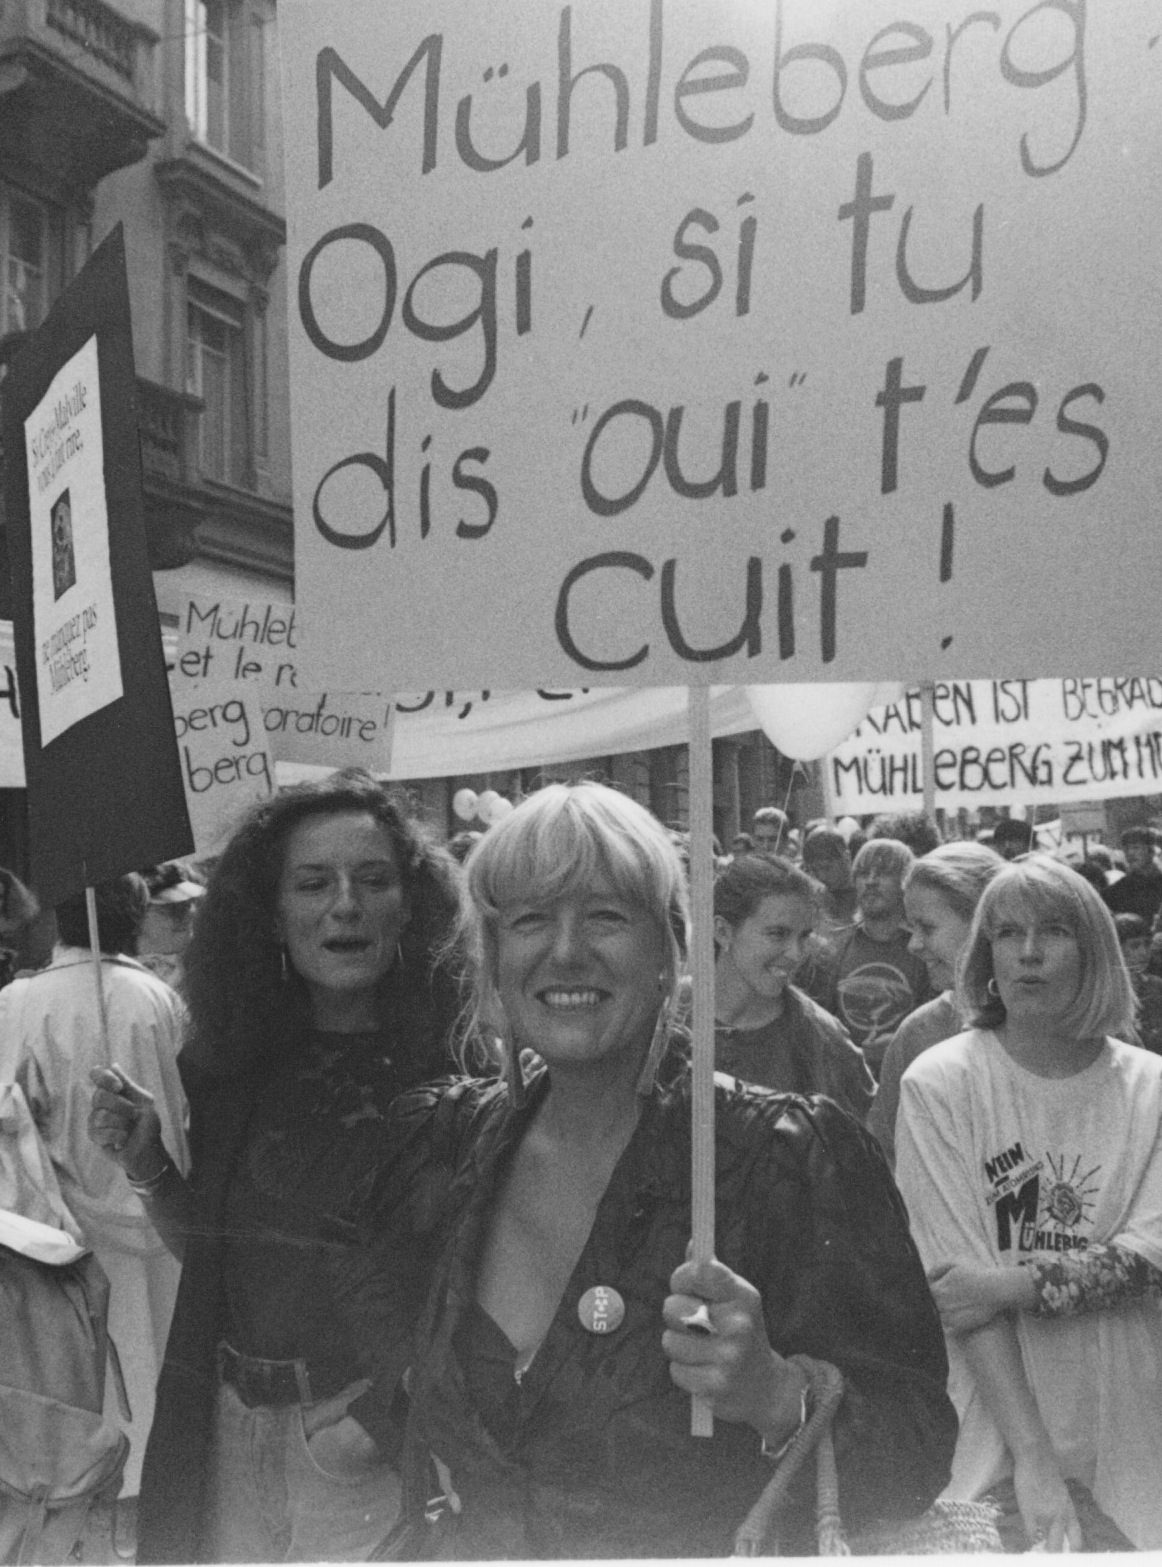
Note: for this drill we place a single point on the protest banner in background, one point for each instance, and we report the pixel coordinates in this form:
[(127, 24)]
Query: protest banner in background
[(226, 763), (644, 342), (104, 788), (251, 645), (1006, 742)]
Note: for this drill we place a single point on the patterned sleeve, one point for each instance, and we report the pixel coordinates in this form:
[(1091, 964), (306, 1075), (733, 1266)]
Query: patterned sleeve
[(1092, 1280)]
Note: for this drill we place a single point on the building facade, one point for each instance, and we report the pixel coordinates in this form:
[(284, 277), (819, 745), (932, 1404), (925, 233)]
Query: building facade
[(162, 115)]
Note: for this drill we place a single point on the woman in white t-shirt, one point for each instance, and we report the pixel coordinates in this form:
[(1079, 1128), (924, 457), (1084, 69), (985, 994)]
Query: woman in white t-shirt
[(1029, 1152)]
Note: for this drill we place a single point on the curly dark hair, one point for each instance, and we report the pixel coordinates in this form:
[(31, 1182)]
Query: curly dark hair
[(244, 1009)]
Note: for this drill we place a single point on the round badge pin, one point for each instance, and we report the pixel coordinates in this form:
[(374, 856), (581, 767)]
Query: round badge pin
[(601, 1309)]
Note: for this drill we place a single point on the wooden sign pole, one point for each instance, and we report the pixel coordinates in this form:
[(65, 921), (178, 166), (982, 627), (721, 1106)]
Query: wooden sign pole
[(98, 977), (701, 815), (928, 747)]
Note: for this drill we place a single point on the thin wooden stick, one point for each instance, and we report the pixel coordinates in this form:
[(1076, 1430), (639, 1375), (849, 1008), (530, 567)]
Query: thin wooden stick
[(388, 748), (928, 747), (702, 967), (98, 977)]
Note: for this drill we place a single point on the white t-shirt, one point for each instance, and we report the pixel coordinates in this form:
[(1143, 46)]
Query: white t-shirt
[(999, 1166)]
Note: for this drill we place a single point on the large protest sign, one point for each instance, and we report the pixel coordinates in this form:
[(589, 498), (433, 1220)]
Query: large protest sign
[(1006, 742), (645, 342), (104, 789)]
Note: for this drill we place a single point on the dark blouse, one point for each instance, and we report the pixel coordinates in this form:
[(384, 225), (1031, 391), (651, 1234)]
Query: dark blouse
[(295, 1202)]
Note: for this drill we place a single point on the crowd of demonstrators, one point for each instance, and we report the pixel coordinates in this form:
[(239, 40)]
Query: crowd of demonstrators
[(1030, 1159), (50, 1036), (562, 1331), (766, 1030), (316, 994), (385, 1262)]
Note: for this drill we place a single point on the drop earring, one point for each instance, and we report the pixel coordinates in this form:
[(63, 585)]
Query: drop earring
[(663, 1028), (993, 989)]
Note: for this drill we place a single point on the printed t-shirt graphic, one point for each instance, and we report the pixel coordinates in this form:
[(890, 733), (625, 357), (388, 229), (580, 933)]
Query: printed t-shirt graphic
[(1041, 1204)]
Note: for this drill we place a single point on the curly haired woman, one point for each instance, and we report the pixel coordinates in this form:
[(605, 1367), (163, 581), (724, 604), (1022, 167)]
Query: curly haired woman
[(316, 994)]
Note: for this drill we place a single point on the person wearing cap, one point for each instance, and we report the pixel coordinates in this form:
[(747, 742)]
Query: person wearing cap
[(1140, 890), (168, 924)]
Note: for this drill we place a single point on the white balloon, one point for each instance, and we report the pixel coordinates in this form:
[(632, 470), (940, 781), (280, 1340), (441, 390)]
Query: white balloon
[(500, 810), (485, 805), (847, 825), (806, 721), (466, 804)]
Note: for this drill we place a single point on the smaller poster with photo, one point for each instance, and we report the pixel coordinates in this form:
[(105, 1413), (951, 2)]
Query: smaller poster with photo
[(78, 660)]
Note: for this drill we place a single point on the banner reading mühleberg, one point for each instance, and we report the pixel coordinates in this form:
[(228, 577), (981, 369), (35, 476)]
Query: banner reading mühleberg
[(1006, 742), (637, 342), (101, 765)]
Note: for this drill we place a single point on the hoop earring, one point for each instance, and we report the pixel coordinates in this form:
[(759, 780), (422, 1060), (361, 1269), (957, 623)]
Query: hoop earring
[(993, 988)]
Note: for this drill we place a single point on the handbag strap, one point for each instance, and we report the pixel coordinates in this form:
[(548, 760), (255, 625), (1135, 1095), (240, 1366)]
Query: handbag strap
[(826, 1384)]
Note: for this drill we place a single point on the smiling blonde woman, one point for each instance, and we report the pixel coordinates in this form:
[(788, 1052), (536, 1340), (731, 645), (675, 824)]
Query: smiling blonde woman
[(561, 1339)]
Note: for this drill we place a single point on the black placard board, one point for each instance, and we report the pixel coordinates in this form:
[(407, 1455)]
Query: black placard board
[(104, 793)]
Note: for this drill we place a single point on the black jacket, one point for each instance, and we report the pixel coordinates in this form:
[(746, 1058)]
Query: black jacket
[(598, 1460)]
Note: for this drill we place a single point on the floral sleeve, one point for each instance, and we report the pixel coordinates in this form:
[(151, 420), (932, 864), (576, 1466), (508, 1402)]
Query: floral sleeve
[(1092, 1280)]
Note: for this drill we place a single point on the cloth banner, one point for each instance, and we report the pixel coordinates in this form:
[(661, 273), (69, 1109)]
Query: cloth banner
[(250, 648), (1006, 742)]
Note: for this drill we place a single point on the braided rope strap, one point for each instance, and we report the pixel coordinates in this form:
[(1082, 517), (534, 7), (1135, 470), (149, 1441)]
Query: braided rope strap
[(959, 1528), (826, 1382)]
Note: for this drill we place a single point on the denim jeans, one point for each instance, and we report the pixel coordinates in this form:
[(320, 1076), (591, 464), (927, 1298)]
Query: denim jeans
[(269, 1501)]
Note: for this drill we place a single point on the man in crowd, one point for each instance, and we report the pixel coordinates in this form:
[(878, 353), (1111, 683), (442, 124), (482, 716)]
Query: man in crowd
[(914, 828), (1012, 837), (1139, 891), (874, 980), (771, 830), (825, 858), (50, 1037)]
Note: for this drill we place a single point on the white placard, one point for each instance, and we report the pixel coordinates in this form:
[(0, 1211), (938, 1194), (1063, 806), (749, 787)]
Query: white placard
[(78, 660)]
